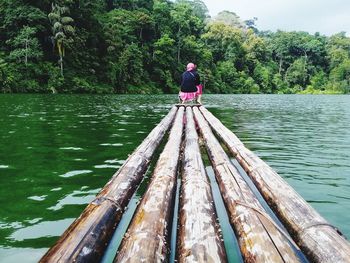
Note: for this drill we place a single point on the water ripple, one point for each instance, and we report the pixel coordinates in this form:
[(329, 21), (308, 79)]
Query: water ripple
[(37, 198), (71, 148), (51, 142), (102, 166), (112, 144), (75, 198), (74, 173)]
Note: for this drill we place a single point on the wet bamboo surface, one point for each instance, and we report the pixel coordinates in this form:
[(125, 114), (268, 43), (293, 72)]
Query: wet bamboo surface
[(198, 237), (319, 241), (259, 238), (147, 236), (87, 237)]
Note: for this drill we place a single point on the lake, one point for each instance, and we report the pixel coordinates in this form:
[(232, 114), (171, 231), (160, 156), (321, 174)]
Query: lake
[(58, 151)]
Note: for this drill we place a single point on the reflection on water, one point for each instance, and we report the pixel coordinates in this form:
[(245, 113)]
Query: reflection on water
[(37, 230), (57, 152)]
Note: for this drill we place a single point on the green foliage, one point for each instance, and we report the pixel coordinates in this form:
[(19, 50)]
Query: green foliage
[(142, 46), (185, 24), (319, 80), (25, 46), (16, 14), (339, 77), (84, 85), (228, 77), (163, 56), (6, 77), (279, 86), (263, 78), (224, 41), (56, 82), (127, 69), (296, 73)]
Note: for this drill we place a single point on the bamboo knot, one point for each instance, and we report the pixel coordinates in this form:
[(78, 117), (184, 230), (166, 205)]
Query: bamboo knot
[(266, 216), (312, 225), (99, 200)]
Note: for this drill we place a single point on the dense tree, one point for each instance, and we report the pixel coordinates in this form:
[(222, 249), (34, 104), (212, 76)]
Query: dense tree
[(224, 41), (142, 46), (6, 76), (185, 23), (25, 46), (163, 59), (339, 77)]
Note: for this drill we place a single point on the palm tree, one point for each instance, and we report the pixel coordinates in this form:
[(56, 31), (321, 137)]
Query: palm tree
[(62, 30)]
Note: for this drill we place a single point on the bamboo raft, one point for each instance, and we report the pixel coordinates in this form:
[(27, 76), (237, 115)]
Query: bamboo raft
[(259, 237)]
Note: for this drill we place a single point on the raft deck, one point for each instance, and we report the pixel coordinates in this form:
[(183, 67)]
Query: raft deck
[(260, 238)]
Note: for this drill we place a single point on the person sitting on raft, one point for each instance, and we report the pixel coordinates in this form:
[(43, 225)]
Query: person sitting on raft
[(189, 82)]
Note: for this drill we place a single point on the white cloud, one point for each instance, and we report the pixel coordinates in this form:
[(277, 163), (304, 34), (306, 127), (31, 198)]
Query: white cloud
[(324, 16)]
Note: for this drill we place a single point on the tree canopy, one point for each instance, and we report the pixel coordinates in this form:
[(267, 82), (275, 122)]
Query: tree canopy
[(142, 46)]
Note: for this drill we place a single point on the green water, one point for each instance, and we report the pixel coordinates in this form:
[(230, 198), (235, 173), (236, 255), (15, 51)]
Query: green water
[(58, 151)]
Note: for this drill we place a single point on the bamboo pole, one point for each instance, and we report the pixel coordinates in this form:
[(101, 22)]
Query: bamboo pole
[(320, 241), (198, 239), (145, 240), (260, 239), (87, 237)]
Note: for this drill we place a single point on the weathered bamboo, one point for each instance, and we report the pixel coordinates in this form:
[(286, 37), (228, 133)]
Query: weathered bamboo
[(87, 237), (198, 238), (319, 240), (260, 240), (145, 240)]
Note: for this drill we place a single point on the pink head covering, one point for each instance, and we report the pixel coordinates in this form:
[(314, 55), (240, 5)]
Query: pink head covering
[(190, 66)]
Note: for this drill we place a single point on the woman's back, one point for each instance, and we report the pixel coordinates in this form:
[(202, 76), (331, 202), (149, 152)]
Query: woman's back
[(190, 80)]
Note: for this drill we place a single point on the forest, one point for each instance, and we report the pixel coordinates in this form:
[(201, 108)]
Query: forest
[(142, 47)]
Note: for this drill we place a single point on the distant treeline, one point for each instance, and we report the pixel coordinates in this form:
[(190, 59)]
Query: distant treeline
[(142, 46)]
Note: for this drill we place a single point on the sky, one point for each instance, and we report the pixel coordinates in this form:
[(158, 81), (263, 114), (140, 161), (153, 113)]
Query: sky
[(325, 16)]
